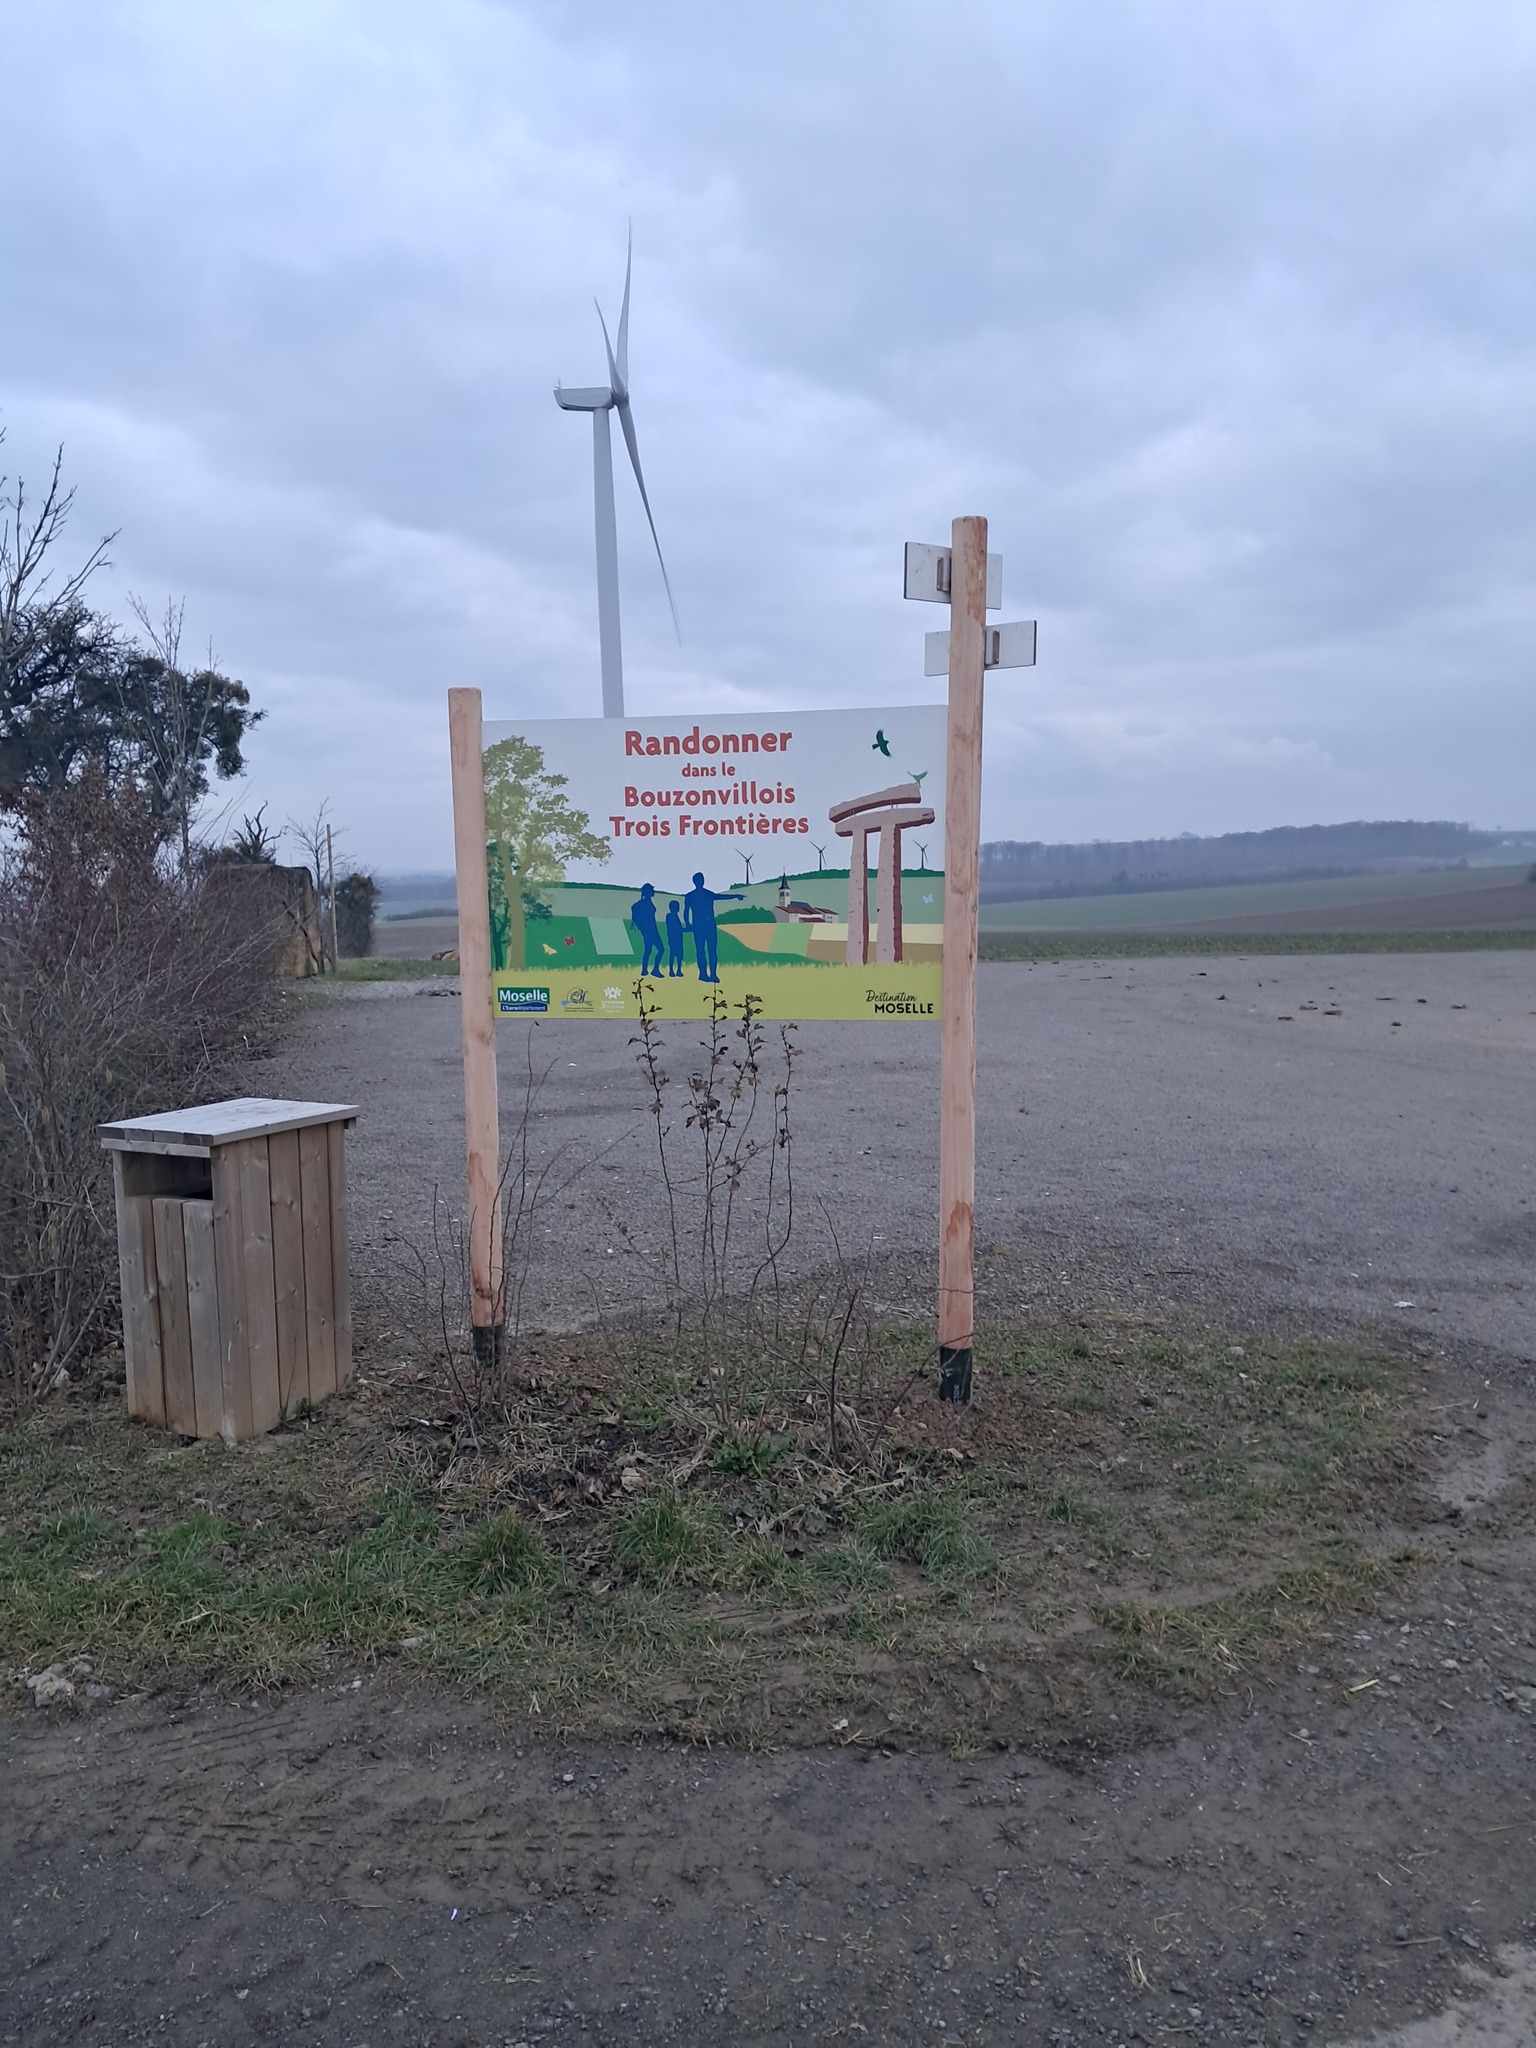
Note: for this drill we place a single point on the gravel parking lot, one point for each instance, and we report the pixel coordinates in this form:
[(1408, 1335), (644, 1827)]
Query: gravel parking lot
[(1330, 1144), (1343, 1140)]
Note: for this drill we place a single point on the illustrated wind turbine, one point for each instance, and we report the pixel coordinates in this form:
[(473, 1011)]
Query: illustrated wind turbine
[(600, 400)]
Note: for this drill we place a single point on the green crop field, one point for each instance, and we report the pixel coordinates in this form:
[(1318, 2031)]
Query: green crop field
[(1252, 899)]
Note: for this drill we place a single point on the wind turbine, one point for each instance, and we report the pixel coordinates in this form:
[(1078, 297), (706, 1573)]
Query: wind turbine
[(600, 400)]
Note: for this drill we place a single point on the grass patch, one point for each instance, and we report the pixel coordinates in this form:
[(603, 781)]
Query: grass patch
[(1124, 1512), (1192, 1652), (391, 970), (504, 1554), (939, 1529), (751, 1457), (669, 1537)]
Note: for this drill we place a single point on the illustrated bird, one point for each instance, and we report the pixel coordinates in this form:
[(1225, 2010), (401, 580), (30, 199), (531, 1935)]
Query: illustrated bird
[(880, 744), (914, 776)]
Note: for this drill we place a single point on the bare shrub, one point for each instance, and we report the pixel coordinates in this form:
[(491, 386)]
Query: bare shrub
[(743, 1339), (126, 986), (760, 1338), (476, 1376)]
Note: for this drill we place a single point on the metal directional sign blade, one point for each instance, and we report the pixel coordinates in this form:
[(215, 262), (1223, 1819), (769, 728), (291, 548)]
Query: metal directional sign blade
[(1011, 646), (928, 574)]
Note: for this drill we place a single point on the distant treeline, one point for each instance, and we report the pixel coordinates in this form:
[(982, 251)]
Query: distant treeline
[(1014, 870)]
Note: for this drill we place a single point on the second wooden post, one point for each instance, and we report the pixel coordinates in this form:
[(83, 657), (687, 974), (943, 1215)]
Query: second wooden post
[(487, 1293), (957, 1045)]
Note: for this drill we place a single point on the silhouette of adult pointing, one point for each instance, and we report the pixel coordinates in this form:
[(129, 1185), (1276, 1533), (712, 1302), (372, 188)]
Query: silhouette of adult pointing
[(699, 918)]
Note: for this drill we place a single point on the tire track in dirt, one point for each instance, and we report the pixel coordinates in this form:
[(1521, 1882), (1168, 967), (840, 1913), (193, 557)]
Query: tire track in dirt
[(358, 1864)]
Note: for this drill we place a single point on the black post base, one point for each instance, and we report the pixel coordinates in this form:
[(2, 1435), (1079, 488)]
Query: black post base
[(954, 1372), (487, 1337)]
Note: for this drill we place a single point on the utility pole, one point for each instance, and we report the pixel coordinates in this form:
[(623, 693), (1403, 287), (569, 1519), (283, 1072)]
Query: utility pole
[(330, 865)]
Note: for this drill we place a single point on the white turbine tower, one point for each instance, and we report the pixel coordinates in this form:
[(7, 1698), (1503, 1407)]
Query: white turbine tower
[(600, 400)]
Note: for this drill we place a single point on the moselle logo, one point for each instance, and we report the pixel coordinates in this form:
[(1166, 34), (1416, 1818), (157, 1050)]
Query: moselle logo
[(896, 1002), (518, 1002), (576, 999)]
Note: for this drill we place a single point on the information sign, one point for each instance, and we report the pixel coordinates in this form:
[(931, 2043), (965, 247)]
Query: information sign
[(795, 856)]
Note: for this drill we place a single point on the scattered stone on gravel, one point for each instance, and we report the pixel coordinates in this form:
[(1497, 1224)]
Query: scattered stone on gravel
[(51, 1688)]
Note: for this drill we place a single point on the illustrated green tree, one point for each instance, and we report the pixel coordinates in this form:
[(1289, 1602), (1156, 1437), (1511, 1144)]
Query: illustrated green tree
[(533, 833)]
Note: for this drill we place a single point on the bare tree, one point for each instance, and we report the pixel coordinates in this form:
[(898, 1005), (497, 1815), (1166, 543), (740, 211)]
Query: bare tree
[(75, 691), (58, 658), (317, 838), (27, 538), (176, 719)]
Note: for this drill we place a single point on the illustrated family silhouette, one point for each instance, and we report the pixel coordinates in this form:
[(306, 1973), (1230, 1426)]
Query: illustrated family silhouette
[(695, 913)]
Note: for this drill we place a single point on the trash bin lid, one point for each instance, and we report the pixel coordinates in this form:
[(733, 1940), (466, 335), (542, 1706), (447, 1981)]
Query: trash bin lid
[(197, 1131)]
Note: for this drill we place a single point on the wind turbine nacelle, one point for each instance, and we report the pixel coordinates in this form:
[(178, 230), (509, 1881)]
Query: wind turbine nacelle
[(590, 398)]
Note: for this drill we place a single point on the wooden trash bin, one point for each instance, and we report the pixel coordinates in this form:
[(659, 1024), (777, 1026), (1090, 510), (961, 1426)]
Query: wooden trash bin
[(232, 1246)]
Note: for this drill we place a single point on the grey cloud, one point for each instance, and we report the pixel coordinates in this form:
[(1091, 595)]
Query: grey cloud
[(1223, 315)]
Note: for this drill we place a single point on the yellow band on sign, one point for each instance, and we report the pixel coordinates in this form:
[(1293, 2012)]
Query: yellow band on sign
[(784, 993)]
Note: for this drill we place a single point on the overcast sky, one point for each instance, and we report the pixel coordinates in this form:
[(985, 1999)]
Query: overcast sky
[(1223, 312)]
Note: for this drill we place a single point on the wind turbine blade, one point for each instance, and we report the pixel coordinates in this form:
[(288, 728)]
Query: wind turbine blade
[(626, 421), (629, 257), (620, 388)]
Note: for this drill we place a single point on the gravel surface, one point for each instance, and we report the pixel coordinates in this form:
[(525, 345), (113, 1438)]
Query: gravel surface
[(1322, 1859), (1151, 1133)]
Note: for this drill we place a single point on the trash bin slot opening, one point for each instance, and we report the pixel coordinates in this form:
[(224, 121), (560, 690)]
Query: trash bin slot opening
[(156, 1173)]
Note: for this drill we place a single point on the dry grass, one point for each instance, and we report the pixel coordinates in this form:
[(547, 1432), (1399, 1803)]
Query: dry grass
[(1122, 1516)]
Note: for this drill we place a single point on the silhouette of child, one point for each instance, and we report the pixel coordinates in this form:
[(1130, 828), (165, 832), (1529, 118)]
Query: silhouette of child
[(674, 939)]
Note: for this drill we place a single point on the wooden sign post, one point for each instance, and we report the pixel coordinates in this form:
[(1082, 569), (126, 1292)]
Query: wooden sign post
[(970, 581), (487, 1292), (962, 879)]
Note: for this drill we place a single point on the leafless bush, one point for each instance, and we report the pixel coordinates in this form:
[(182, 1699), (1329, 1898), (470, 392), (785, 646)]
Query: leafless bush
[(723, 1248), (743, 1338), (476, 1377), (126, 985), (761, 1338)]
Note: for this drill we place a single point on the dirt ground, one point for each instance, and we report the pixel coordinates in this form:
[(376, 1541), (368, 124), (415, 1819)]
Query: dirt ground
[(1346, 1854)]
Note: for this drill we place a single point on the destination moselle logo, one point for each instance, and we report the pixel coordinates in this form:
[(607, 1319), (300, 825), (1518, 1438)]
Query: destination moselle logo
[(896, 1002), (514, 1002)]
